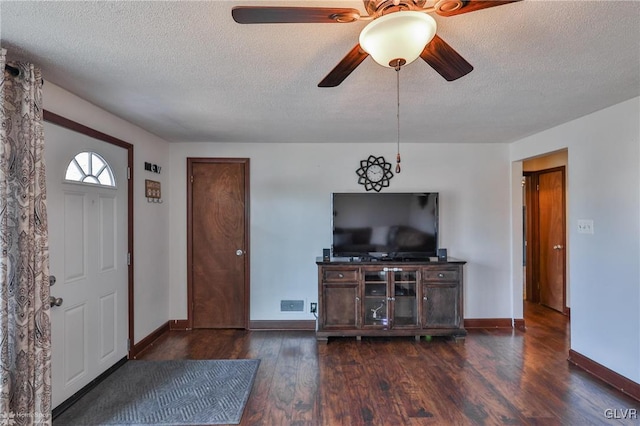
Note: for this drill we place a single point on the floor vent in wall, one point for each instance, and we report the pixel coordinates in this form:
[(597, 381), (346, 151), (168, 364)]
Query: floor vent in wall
[(291, 305)]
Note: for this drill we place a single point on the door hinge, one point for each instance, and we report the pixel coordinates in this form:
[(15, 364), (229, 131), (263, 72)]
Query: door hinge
[(128, 173), (129, 259), (191, 179), (537, 187), (128, 344)]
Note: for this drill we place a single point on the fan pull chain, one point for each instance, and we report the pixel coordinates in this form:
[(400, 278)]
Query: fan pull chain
[(398, 114)]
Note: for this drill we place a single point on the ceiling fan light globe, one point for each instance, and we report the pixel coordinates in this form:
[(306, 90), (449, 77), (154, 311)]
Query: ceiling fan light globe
[(397, 35)]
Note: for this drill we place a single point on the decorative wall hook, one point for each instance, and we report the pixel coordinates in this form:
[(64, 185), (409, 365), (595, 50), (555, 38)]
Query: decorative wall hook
[(152, 191)]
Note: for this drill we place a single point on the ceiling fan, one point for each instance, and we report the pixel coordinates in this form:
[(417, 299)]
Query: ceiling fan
[(437, 53)]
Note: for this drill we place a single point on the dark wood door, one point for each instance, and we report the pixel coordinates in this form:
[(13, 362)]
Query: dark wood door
[(551, 204), (218, 239)]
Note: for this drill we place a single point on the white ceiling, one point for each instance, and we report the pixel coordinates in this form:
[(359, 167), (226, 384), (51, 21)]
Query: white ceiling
[(186, 71)]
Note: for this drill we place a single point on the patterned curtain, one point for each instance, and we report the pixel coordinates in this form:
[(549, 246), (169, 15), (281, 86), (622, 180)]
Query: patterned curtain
[(25, 331)]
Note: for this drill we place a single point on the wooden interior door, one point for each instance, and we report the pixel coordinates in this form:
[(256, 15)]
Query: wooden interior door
[(218, 241), (551, 231)]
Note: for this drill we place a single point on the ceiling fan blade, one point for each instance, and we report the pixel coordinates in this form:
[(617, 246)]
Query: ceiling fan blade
[(446, 61), (288, 15), (344, 67), (473, 5)]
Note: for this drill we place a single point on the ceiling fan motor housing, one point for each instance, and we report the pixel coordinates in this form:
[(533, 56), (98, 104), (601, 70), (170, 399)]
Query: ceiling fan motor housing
[(381, 7)]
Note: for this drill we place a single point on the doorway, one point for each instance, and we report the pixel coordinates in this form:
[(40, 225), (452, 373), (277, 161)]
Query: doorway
[(545, 232), (218, 242)]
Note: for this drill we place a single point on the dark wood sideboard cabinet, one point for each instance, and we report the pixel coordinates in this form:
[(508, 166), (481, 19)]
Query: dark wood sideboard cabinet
[(385, 298)]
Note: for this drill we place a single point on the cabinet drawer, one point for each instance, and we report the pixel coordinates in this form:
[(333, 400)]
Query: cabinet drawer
[(340, 275), (441, 274)]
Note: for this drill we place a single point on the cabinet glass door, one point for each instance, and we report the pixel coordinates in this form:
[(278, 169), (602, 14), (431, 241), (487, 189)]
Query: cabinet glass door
[(405, 305), (375, 302)]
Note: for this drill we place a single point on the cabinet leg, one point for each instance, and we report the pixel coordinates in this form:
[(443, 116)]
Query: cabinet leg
[(418, 338), (323, 340), (358, 338)]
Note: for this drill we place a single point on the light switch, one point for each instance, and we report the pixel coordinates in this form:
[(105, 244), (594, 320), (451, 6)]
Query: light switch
[(585, 226)]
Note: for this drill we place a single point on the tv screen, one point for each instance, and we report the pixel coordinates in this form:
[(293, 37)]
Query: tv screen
[(385, 225)]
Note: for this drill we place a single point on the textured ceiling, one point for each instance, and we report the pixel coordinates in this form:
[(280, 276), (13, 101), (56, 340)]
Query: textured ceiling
[(186, 71)]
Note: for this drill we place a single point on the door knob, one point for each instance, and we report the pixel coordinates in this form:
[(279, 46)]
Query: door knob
[(239, 252), (557, 247), (55, 301)]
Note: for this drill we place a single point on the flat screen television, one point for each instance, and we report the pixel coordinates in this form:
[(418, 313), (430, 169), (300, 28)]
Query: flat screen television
[(385, 225)]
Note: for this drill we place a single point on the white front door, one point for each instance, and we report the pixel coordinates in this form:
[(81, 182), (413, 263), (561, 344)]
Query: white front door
[(88, 257)]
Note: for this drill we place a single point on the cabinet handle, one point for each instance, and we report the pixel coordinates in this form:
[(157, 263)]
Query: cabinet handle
[(440, 275), (357, 299), (340, 275), (425, 298), (391, 299)]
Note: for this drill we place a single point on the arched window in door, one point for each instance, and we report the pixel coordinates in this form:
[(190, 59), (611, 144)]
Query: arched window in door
[(89, 167)]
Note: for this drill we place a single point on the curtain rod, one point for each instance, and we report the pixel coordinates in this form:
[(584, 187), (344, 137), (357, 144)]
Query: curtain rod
[(12, 70), (16, 72)]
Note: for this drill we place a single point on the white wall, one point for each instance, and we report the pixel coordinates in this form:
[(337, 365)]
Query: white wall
[(291, 186), (151, 221), (604, 185)]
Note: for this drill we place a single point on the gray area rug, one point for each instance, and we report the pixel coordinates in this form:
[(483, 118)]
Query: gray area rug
[(187, 392)]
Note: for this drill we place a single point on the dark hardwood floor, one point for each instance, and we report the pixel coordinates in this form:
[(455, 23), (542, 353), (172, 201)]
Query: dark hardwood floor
[(496, 376)]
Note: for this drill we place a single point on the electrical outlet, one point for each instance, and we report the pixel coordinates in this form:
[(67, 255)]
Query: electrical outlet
[(314, 308)]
